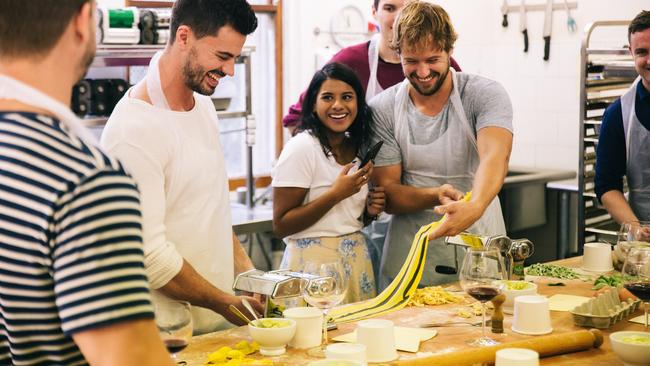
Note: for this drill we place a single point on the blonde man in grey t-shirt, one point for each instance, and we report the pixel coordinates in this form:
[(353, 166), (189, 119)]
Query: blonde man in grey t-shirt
[(444, 133)]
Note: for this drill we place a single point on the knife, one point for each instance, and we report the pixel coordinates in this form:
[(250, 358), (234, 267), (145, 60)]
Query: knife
[(504, 11), (548, 26), (523, 27)]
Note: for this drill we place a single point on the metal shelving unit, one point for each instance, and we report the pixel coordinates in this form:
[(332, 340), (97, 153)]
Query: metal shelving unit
[(605, 75)]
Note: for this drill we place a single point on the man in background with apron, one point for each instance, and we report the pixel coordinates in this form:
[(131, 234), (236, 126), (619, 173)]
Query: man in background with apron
[(165, 131), (73, 290), (624, 141), (444, 133), (378, 67)]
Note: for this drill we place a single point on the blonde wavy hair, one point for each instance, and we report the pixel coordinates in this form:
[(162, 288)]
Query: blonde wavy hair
[(423, 24)]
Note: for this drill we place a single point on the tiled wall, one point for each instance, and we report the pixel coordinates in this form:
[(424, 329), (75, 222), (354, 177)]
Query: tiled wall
[(545, 94)]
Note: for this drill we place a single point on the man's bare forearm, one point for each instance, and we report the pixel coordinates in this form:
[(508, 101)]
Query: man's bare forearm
[(243, 262), (401, 199), (189, 285)]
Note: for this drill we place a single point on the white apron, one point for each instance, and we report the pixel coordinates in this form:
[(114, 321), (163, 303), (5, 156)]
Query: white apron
[(452, 159), (205, 320), (11, 88), (373, 87), (637, 144)]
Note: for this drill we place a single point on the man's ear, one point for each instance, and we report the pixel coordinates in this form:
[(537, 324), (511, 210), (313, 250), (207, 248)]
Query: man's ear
[(84, 23), (183, 35)]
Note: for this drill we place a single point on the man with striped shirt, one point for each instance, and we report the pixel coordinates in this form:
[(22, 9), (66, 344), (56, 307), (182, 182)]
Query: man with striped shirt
[(73, 289)]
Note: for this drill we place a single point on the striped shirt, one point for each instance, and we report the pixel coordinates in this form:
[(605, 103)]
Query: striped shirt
[(70, 242)]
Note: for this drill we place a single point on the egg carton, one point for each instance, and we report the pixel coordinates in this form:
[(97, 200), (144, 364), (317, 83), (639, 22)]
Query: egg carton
[(604, 310)]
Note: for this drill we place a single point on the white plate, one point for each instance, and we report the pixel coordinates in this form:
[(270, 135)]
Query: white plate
[(532, 333)]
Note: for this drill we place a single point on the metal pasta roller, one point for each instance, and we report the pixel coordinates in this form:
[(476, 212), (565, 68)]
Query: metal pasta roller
[(282, 288), (514, 251)]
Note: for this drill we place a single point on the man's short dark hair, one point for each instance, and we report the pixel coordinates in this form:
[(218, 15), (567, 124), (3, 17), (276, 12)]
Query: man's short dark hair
[(376, 4), (640, 23), (32, 28), (206, 17)]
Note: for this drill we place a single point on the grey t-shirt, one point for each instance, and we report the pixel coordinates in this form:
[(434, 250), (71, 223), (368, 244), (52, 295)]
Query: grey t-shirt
[(486, 104)]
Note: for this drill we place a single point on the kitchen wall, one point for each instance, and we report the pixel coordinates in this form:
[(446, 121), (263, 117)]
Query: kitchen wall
[(545, 94)]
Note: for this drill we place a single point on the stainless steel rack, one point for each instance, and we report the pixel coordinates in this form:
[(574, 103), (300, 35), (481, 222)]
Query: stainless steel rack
[(605, 75)]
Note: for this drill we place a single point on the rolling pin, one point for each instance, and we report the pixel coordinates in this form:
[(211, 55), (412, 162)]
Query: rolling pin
[(546, 346)]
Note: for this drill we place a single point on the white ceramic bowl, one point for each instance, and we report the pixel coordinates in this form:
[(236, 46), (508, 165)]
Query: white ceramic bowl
[(631, 354), (508, 305), (272, 341)]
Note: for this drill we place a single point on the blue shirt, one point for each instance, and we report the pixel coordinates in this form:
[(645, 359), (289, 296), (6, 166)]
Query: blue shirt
[(611, 163)]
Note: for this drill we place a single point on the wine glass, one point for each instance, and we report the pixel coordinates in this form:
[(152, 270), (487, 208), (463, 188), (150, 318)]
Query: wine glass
[(636, 275), (482, 276), (324, 292), (174, 321), (631, 234)]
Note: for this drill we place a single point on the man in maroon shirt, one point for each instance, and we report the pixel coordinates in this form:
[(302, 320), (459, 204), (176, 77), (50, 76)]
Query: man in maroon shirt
[(375, 63)]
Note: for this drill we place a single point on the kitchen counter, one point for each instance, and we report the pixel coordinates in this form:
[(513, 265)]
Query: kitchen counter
[(518, 175), (258, 219), (448, 338)]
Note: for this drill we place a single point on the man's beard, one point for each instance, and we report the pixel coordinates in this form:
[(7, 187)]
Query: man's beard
[(193, 75), (440, 79)]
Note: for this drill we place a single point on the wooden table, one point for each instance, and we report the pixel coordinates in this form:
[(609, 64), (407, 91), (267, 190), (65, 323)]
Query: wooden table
[(448, 338)]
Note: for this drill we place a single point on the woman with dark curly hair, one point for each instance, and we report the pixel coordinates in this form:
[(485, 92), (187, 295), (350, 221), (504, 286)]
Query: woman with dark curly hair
[(321, 198)]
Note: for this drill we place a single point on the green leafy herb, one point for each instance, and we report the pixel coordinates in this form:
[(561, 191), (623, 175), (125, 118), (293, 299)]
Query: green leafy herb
[(611, 281), (556, 284), (552, 270)]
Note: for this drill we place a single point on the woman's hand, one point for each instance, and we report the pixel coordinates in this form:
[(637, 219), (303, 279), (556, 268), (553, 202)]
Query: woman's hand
[(376, 202), (346, 184)]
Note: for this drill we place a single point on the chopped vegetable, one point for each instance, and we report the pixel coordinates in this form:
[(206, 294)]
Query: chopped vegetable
[(612, 281), (636, 339), (552, 270), (434, 295), (270, 323), (517, 285)]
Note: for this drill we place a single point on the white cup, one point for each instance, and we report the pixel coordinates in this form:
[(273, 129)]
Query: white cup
[(378, 335), (516, 357), (347, 351), (532, 315), (597, 257), (508, 305), (309, 326)]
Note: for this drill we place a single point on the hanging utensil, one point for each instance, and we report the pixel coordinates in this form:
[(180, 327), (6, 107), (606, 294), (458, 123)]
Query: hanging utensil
[(548, 27), (504, 11), (571, 24), (523, 26)]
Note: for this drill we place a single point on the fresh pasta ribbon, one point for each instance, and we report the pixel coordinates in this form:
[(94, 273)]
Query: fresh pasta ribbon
[(397, 294)]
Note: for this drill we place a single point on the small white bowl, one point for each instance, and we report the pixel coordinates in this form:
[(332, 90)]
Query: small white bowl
[(508, 305), (631, 354), (272, 341)]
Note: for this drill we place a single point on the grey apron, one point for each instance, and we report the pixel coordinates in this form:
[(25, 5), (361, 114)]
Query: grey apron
[(637, 143), (453, 159)]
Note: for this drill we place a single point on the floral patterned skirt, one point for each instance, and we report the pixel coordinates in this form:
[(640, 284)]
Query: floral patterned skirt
[(351, 249)]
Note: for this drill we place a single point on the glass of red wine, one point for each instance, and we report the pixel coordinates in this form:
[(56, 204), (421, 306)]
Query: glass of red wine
[(636, 275), (482, 276), (174, 321)]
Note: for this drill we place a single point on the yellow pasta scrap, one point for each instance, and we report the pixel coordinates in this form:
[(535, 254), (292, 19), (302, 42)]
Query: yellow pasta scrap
[(433, 295)]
